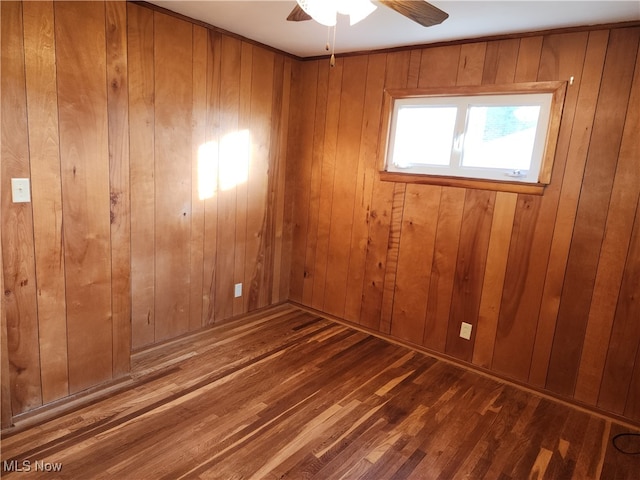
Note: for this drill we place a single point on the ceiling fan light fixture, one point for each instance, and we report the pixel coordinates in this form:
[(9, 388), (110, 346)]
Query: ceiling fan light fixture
[(322, 11), (325, 12), (356, 9)]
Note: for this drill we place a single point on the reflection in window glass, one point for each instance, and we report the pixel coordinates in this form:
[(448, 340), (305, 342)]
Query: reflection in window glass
[(500, 137), (424, 136)]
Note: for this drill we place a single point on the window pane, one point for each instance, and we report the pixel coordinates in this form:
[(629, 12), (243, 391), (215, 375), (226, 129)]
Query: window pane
[(424, 136), (500, 137)]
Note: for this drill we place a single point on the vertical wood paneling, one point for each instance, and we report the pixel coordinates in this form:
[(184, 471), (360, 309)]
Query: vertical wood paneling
[(588, 87), (327, 178), (84, 152), (316, 154), (304, 82), (117, 104), (344, 188), (498, 260), (417, 238), (173, 158), (533, 227), (6, 413), (141, 176), (470, 267), (614, 253), (258, 235), (493, 285), (592, 209), (242, 157), (402, 71), (198, 141), (365, 178), (625, 334), (443, 268), (122, 251), (208, 161), (276, 164), (17, 222), (44, 151), (230, 65)]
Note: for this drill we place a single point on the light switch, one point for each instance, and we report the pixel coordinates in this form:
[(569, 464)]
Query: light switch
[(20, 190)]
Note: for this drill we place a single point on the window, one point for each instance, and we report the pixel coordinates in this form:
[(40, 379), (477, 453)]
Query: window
[(499, 135)]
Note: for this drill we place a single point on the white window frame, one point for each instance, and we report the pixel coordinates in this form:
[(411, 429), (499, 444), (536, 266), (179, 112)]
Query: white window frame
[(550, 97)]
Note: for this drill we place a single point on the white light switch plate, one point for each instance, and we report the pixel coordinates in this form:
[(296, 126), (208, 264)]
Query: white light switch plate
[(20, 190), (465, 330), (238, 290)]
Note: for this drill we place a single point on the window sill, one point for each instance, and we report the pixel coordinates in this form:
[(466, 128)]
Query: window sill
[(495, 185)]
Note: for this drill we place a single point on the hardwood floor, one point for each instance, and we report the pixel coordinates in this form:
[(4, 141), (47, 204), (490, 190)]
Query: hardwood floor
[(287, 394)]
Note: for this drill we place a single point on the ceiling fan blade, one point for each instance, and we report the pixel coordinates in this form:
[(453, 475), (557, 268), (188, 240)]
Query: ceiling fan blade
[(298, 15), (417, 10)]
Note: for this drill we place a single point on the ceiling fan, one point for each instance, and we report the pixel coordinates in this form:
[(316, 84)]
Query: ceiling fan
[(419, 11)]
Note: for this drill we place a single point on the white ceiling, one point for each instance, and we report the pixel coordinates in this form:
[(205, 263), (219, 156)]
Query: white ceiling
[(265, 22)]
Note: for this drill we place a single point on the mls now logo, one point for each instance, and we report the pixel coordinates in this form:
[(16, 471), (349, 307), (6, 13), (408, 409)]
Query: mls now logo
[(29, 466)]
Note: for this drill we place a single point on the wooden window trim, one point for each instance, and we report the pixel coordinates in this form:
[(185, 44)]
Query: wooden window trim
[(556, 88)]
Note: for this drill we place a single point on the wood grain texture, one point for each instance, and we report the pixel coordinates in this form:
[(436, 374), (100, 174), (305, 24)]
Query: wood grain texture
[(141, 176), (316, 151), (84, 153), (517, 292), (494, 278), (119, 231), (240, 158), (614, 254), (312, 408), (365, 179), (303, 93), (198, 144), (44, 152), (17, 238), (208, 158), (344, 188), (282, 228), (470, 267), (118, 114), (173, 103), (397, 76), (589, 82), (592, 210), (230, 64), (6, 412), (443, 268), (327, 179), (415, 257), (259, 234), (625, 333)]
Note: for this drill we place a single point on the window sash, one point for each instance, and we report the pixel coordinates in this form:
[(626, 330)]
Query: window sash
[(463, 106), (444, 95)]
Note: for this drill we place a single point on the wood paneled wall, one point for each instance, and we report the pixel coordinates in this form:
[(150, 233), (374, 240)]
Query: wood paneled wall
[(155, 150), (550, 283)]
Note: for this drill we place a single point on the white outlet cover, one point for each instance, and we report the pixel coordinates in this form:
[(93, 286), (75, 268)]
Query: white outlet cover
[(20, 191), (465, 330), (237, 290)]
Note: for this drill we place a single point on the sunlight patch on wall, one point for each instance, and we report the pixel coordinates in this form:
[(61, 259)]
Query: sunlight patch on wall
[(225, 165)]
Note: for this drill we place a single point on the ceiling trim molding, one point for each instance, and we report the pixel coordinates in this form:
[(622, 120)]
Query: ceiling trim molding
[(486, 38), (213, 28)]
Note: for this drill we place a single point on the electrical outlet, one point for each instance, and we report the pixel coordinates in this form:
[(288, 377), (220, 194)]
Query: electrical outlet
[(237, 292), (465, 330)]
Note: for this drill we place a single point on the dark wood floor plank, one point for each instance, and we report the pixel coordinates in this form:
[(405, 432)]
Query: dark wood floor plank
[(284, 393)]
